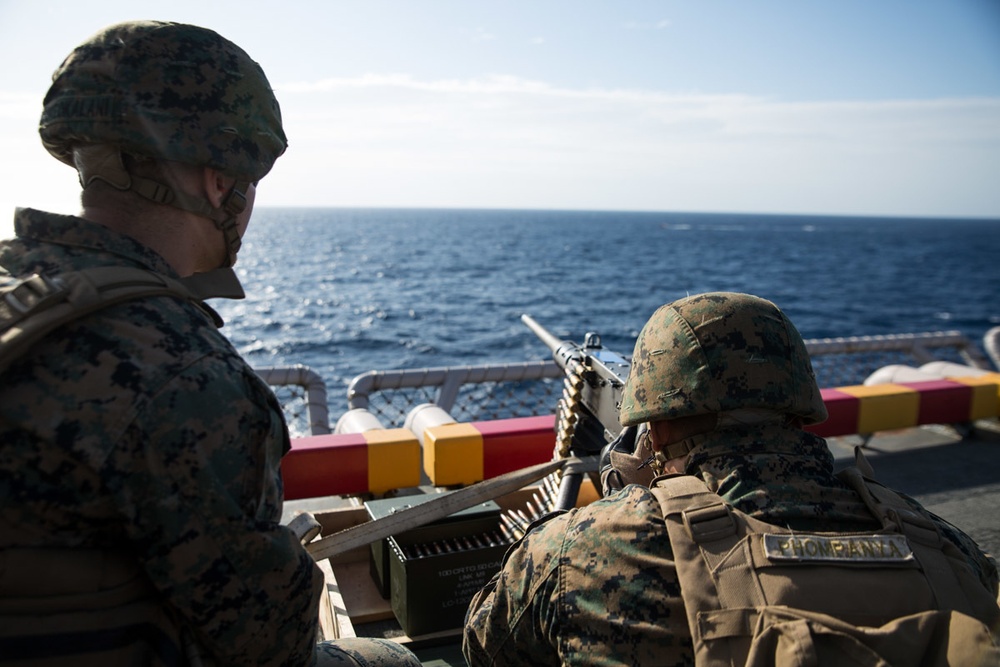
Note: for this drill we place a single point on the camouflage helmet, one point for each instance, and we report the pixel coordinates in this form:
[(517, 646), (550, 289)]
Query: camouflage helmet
[(719, 352), (165, 90)]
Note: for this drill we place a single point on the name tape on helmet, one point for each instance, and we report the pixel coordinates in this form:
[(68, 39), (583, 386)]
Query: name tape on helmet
[(874, 548)]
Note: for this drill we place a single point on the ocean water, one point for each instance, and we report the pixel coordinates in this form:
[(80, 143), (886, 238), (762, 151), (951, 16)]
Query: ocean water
[(345, 291)]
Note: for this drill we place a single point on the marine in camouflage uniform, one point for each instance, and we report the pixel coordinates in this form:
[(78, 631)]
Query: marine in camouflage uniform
[(140, 489), (598, 585)]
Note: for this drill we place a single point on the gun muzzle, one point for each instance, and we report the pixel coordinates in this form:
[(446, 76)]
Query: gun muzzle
[(564, 352)]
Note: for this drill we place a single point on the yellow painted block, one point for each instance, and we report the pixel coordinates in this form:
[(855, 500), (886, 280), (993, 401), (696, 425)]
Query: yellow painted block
[(393, 459), (453, 454), (883, 407), (985, 394)]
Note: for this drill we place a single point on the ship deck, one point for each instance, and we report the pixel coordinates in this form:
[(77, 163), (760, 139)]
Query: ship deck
[(954, 475)]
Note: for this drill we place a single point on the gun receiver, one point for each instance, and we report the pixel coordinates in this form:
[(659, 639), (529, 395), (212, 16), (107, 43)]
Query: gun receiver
[(587, 418)]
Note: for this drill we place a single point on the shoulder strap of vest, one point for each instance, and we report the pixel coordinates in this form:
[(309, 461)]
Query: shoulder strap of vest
[(33, 306), (714, 575), (929, 546)]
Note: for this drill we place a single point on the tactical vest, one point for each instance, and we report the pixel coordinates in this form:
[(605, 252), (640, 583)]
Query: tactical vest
[(82, 607), (86, 607), (757, 594)]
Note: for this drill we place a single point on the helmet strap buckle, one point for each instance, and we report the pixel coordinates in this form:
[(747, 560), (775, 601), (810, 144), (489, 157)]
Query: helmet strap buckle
[(236, 201)]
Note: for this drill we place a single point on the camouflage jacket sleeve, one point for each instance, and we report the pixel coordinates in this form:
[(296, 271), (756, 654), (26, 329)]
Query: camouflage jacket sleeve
[(505, 621), (202, 499), (593, 586)]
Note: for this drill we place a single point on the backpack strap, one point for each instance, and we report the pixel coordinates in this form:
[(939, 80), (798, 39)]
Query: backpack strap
[(33, 306)]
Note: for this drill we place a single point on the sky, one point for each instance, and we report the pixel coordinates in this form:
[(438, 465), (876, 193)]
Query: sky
[(853, 107)]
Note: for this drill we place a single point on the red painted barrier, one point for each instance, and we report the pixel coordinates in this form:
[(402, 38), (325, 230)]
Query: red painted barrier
[(376, 461)]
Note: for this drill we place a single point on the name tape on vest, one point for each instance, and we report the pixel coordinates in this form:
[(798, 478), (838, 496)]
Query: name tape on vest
[(838, 548)]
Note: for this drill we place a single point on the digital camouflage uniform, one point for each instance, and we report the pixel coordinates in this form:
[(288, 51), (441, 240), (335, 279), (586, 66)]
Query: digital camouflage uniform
[(140, 429), (598, 585)]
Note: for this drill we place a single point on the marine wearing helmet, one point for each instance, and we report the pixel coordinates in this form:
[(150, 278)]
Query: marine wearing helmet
[(669, 568), (163, 520)]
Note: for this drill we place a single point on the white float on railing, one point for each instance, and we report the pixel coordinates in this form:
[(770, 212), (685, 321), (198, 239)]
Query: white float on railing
[(358, 420), (426, 416)]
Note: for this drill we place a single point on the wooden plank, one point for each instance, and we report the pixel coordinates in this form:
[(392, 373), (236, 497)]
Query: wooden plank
[(329, 627), (361, 598)]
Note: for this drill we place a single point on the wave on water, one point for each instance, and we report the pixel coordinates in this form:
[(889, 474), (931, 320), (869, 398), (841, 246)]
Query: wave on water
[(346, 291)]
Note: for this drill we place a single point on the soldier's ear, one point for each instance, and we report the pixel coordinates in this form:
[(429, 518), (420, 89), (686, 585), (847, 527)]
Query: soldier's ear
[(659, 434), (216, 185)]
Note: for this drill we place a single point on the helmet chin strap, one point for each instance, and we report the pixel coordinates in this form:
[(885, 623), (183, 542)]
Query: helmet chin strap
[(232, 206), (104, 163)]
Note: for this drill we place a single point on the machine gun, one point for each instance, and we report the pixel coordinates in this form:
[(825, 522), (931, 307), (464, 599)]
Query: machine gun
[(587, 418)]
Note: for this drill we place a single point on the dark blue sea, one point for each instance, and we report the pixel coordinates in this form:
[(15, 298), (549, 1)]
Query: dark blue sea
[(345, 291)]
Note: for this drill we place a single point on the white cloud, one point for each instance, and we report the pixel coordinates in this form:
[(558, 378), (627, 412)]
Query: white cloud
[(511, 102), (645, 25), (489, 84), (483, 36), (503, 141)]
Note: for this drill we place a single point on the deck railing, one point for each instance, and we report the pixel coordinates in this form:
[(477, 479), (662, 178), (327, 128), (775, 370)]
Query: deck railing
[(302, 394), (495, 391)]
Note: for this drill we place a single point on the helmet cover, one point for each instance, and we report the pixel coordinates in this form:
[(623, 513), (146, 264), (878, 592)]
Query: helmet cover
[(168, 91), (718, 352)]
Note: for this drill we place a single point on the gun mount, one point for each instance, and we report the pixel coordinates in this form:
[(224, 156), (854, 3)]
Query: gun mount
[(587, 418)]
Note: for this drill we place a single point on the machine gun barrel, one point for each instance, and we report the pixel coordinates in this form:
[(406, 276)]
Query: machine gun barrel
[(544, 334), (563, 352)]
